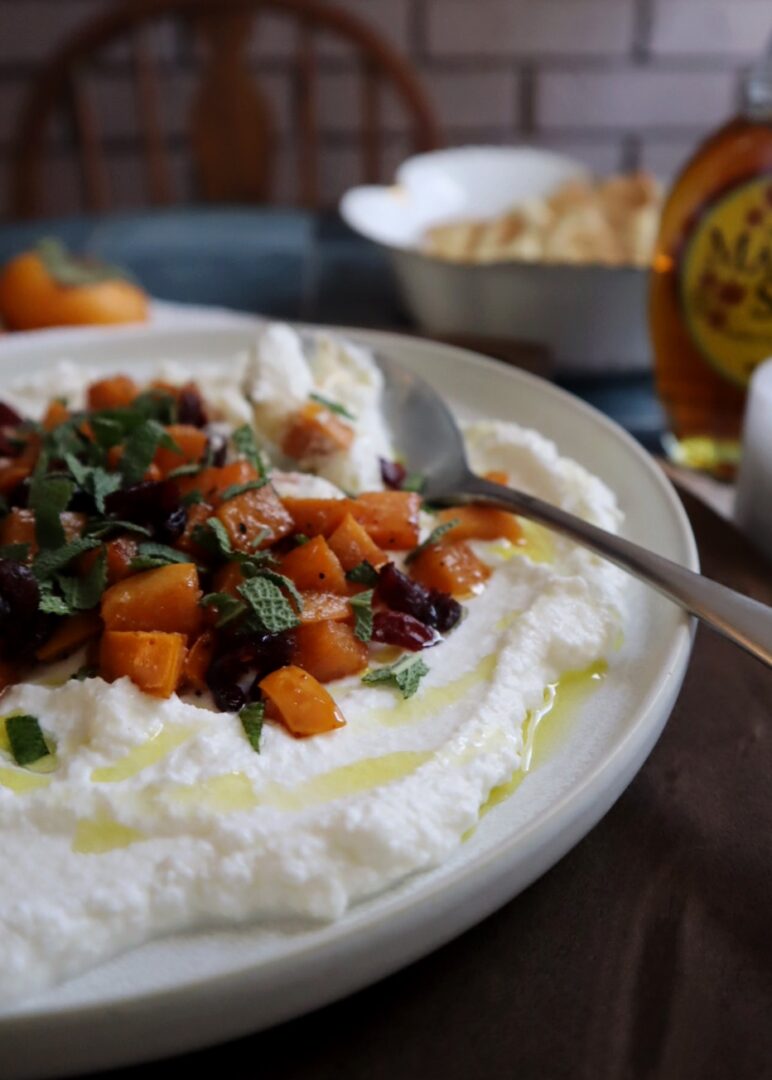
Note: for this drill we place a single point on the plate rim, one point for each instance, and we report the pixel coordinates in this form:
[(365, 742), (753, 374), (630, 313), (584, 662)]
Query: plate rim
[(621, 763)]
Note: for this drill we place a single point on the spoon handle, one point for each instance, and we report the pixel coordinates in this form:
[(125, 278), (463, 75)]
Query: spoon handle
[(746, 622)]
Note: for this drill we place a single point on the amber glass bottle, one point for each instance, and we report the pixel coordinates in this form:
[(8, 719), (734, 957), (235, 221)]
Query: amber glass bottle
[(711, 283)]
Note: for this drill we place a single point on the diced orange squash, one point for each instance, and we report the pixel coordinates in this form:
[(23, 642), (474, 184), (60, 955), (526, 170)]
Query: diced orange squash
[(114, 392), (192, 443), (450, 567), (198, 514), (247, 515), (198, 659), (12, 473), (315, 431), (227, 578), (212, 481), (69, 635), (322, 607), (18, 527), (316, 517), (353, 545), (119, 552), (481, 523), (154, 661), (56, 413), (497, 476), (329, 650), (390, 518), (165, 599), (314, 566), (295, 698)]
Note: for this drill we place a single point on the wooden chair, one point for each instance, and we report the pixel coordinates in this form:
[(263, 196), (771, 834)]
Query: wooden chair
[(232, 127)]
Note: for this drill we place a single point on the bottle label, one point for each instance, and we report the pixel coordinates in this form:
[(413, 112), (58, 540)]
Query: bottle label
[(725, 278)]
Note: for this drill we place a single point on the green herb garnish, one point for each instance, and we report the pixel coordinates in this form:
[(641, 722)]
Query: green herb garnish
[(26, 739), (48, 563), (362, 604), (434, 536), (228, 607), (239, 489), (405, 674), (151, 555), (49, 496), (191, 468), (413, 482), (140, 447), (84, 593), (269, 605), (333, 406), (363, 573), (15, 552), (252, 717), (94, 480), (244, 443)]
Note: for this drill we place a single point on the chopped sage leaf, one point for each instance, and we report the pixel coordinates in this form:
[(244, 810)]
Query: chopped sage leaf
[(333, 406), (245, 444), (192, 498), (413, 482), (191, 468), (239, 489), (101, 527), (47, 563), (405, 674), (152, 555), (269, 605), (363, 573), (362, 604), (283, 583), (84, 593), (51, 604), (49, 496), (228, 607), (252, 717), (434, 536), (26, 739), (16, 552)]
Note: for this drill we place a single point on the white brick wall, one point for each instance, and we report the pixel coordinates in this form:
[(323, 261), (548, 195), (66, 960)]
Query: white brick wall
[(615, 83)]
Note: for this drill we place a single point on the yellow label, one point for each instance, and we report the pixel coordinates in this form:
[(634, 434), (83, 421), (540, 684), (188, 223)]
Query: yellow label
[(726, 280)]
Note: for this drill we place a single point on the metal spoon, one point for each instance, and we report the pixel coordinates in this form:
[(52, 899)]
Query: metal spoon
[(428, 436)]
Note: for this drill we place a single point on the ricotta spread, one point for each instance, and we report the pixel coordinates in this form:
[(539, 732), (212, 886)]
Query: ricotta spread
[(157, 815)]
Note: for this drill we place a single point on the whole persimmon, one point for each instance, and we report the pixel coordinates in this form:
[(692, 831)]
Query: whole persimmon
[(50, 287)]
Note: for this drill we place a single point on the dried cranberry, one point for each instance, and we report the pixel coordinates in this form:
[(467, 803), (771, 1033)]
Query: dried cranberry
[(19, 593), (398, 628), (228, 698), (400, 593), (190, 407), (8, 416), (174, 526), (235, 674), (146, 503), (448, 611), (392, 473)]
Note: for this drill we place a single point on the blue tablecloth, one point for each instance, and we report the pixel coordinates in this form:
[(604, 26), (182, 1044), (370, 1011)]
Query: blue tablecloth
[(289, 264)]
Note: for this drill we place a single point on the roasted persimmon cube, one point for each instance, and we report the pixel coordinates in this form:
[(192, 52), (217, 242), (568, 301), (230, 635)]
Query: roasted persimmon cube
[(197, 514), (215, 479), (314, 566), (481, 523), (390, 518), (296, 698), (325, 606), (18, 526), (192, 443), (69, 635), (227, 578), (114, 392), (198, 659), (120, 553), (329, 650), (315, 431), (353, 545), (451, 568), (164, 599), (56, 413), (247, 515), (316, 517), (153, 660)]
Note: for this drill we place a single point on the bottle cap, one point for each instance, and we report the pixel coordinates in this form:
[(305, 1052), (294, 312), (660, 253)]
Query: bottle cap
[(756, 87), (753, 503)]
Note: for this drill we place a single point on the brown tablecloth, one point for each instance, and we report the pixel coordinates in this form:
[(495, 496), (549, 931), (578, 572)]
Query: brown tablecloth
[(645, 953)]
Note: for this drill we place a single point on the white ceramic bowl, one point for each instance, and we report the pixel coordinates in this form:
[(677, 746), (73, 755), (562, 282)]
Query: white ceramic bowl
[(591, 318)]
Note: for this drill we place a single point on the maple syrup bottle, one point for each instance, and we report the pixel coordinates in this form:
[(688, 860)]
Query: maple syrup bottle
[(711, 284)]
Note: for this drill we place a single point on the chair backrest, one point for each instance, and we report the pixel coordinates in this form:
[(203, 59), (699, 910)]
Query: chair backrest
[(232, 125)]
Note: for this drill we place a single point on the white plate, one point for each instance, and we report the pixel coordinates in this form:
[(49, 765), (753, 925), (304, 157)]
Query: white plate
[(195, 989)]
